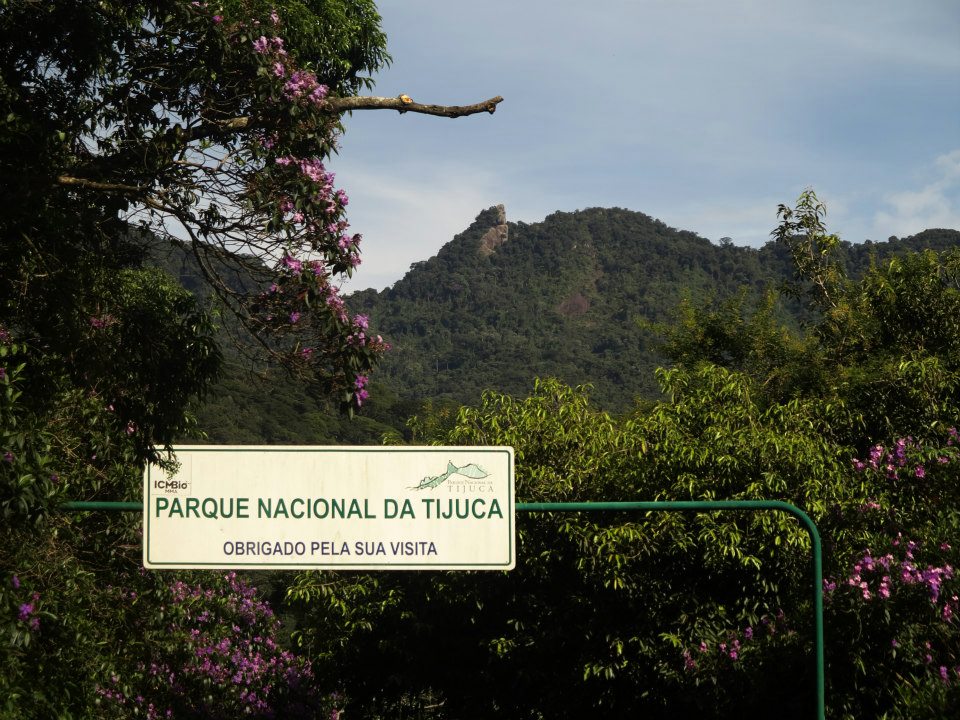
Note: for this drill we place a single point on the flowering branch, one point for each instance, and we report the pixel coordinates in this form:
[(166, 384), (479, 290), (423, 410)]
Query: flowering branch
[(242, 171)]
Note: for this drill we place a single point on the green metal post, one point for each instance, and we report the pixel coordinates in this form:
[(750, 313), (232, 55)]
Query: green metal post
[(702, 505)]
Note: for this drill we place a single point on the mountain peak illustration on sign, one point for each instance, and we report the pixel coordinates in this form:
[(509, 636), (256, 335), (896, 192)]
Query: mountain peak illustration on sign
[(471, 470)]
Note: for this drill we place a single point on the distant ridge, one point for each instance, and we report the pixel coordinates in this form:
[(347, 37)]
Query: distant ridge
[(569, 297)]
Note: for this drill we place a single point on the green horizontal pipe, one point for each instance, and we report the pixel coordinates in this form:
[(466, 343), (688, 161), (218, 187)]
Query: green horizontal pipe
[(109, 506), (648, 506)]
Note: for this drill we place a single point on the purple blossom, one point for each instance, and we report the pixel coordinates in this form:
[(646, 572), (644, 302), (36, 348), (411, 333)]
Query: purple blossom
[(294, 317), (15, 582), (261, 45)]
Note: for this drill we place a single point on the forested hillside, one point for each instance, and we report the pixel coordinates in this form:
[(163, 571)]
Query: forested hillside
[(577, 297)]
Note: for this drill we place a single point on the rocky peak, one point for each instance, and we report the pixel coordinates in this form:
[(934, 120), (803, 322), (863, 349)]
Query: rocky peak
[(496, 235)]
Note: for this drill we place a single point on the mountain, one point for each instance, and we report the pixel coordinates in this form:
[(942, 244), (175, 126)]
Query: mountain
[(572, 297)]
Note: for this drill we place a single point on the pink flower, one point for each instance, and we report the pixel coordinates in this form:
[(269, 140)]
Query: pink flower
[(261, 45), (217, 19)]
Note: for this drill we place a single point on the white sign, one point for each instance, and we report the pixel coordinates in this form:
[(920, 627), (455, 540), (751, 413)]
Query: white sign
[(347, 508)]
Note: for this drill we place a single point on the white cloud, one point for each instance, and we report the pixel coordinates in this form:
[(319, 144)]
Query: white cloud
[(934, 205), (406, 214)]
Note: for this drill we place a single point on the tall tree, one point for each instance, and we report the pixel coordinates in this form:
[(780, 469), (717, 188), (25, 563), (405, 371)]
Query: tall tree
[(122, 123)]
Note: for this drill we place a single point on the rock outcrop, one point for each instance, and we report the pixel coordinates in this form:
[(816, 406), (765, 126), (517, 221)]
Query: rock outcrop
[(495, 236)]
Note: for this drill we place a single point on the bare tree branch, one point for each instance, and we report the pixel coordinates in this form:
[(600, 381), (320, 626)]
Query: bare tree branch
[(96, 185), (403, 103)]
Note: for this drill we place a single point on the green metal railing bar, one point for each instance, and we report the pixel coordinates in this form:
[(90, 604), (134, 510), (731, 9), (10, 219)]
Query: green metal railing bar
[(81, 505), (708, 505), (649, 506)]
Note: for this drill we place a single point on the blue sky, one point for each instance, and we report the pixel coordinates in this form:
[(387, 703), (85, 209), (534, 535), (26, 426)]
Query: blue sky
[(705, 114)]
